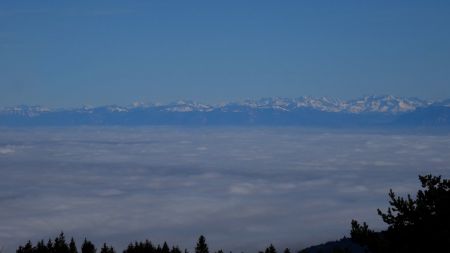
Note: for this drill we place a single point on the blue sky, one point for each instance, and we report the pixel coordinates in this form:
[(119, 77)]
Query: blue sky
[(69, 53)]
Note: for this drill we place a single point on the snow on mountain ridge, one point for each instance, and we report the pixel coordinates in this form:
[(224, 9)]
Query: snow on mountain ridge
[(366, 104), (386, 103), (24, 110), (187, 106)]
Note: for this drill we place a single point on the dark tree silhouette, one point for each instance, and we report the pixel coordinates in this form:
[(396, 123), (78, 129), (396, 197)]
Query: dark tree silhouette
[(40, 247), (367, 237), (28, 248), (88, 247), (175, 250), (414, 225), (270, 249), (49, 246), (141, 247), (60, 245), (72, 246), (165, 248), (148, 247), (106, 249), (201, 247)]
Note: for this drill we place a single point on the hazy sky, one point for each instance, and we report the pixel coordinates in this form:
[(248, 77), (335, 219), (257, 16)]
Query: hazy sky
[(68, 53)]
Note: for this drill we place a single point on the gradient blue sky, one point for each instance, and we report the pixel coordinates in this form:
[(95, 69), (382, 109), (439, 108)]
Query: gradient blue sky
[(68, 53)]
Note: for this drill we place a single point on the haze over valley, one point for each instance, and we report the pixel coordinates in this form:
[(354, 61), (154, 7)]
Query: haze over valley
[(242, 187)]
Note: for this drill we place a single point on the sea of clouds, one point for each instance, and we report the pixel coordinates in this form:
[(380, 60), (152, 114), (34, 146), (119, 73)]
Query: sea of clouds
[(243, 188)]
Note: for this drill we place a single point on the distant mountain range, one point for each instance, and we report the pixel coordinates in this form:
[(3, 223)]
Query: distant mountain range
[(368, 111)]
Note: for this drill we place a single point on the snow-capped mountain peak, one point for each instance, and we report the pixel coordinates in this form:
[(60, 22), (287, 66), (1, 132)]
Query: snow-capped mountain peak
[(384, 104), (308, 110), (367, 104)]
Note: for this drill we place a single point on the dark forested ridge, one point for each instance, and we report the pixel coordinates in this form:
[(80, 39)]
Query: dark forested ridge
[(420, 224)]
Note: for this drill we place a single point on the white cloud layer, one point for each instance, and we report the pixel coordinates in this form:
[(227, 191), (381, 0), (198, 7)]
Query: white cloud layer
[(242, 187)]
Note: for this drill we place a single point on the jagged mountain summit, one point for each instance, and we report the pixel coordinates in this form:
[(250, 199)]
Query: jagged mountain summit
[(308, 111), (385, 104)]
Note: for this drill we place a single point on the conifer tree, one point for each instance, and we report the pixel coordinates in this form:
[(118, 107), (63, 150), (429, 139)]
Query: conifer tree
[(28, 248), (418, 224), (50, 248), (88, 247), (72, 246), (175, 250), (60, 244), (165, 248), (271, 249), (201, 247), (40, 247), (129, 249), (148, 247), (106, 249)]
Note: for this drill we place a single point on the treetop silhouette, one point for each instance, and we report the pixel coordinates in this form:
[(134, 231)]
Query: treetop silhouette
[(420, 224)]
